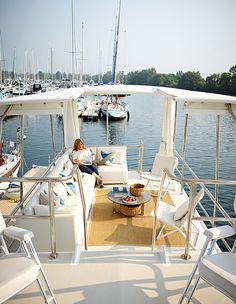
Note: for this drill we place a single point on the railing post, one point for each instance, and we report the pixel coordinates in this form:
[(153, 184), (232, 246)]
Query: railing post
[(53, 254), (217, 163), (183, 147), (140, 167), (186, 255), (79, 179)]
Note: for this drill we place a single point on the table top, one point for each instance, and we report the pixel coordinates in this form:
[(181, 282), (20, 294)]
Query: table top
[(142, 199)]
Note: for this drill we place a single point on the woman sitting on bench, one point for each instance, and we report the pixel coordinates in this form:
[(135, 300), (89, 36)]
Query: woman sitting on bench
[(84, 158)]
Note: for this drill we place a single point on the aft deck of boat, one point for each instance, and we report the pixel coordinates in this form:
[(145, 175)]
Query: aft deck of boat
[(119, 265)]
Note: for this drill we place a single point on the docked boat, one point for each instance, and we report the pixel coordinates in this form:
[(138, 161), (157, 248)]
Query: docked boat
[(80, 107), (116, 108), (19, 89), (9, 163), (115, 251)]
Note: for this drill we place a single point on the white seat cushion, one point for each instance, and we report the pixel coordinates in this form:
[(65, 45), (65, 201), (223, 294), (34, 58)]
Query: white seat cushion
[(181, 211), (115, 173), (220, 269), (17, 272)]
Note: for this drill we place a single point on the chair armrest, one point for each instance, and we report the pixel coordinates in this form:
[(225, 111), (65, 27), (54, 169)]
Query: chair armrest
[(219, 232), (18, 233)]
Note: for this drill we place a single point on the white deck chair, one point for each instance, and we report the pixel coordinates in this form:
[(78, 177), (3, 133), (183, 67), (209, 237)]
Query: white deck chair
[(175, 217), (161, 162), (218, 270), (18, 271)]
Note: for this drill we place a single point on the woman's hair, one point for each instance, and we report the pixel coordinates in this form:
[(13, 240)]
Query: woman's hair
[(77, 142)]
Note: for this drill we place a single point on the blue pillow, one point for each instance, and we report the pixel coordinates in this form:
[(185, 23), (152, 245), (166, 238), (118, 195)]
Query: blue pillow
[(107, 158), (71, 186), (62, 202)]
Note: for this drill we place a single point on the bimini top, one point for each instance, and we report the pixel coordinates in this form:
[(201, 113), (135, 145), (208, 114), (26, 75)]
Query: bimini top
[(52, 102)]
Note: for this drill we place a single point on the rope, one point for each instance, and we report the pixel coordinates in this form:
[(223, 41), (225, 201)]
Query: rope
[(229, 108)]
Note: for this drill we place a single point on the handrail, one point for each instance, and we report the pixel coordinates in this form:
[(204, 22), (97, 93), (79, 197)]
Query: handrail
[(10, 179), (193, 183), (210, 195), (140, 148), (50, 180)]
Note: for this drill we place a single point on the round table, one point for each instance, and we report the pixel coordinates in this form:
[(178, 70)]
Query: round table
[(129, 209)]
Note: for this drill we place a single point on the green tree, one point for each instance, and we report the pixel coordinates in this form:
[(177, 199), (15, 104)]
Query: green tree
[(107, 77), (191, 81), (58, 75), (212, 83)]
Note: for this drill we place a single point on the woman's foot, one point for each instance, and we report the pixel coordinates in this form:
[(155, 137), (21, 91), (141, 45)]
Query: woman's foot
[(100, 182)]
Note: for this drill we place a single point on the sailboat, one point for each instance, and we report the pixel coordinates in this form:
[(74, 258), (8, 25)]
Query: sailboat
[(115, 105)]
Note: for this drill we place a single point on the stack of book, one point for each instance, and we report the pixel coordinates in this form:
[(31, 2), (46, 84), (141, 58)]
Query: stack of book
[(119, 191)]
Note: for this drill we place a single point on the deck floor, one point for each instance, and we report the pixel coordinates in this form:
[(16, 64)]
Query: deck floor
[(107, 228), (120, 275)]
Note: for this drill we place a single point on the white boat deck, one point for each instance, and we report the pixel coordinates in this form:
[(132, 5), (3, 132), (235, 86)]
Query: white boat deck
[(120, 274)]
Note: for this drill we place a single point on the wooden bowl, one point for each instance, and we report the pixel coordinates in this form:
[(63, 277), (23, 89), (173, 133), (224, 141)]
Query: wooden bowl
[(137, 189)]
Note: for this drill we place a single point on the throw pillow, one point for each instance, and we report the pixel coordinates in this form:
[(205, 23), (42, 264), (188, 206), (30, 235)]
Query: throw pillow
[(70, 187), (67, 168), (120, 156), (44, 199), (181, 211), (60, 190), (107, 158)]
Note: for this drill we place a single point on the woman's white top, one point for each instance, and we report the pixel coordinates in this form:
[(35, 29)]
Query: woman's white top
[(84, 156)]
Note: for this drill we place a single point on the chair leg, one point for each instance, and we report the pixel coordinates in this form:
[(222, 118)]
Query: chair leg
[(31, 252), (160, 231), (193, 289), (42, 290)]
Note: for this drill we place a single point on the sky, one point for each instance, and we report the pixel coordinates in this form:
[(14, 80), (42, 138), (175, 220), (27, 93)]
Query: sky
[(168, 35)]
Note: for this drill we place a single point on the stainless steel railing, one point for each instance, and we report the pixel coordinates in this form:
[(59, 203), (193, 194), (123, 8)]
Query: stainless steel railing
[(139, 157), (192, 183), (209, 194), (51, 217)]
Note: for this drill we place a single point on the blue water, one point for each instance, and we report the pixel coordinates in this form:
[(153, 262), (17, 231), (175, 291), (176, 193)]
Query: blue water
[(145, 124)]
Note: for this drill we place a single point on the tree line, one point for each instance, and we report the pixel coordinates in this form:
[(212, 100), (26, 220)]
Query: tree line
[(224, 83)]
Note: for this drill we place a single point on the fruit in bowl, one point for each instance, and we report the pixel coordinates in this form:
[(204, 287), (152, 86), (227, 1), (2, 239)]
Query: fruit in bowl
[(129, 199)]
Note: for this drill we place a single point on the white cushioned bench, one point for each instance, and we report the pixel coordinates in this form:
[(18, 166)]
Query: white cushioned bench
[(69, 216), (117, 171)]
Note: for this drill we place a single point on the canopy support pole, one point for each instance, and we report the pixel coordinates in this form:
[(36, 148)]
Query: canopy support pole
[(21, 154), (184, 146), (63, 134), (53, 139), (107, 120), (217, 163)]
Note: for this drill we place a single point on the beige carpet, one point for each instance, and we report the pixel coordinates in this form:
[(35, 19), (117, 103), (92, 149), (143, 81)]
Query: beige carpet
[(107, 228)]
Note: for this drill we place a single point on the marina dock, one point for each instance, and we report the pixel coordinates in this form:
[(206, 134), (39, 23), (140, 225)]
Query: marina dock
[(90, 114)]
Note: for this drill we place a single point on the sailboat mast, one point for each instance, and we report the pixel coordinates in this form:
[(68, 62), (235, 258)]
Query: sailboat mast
[(51, 64), (82, 55), (14, 63), (72, 38), (117, 29)]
